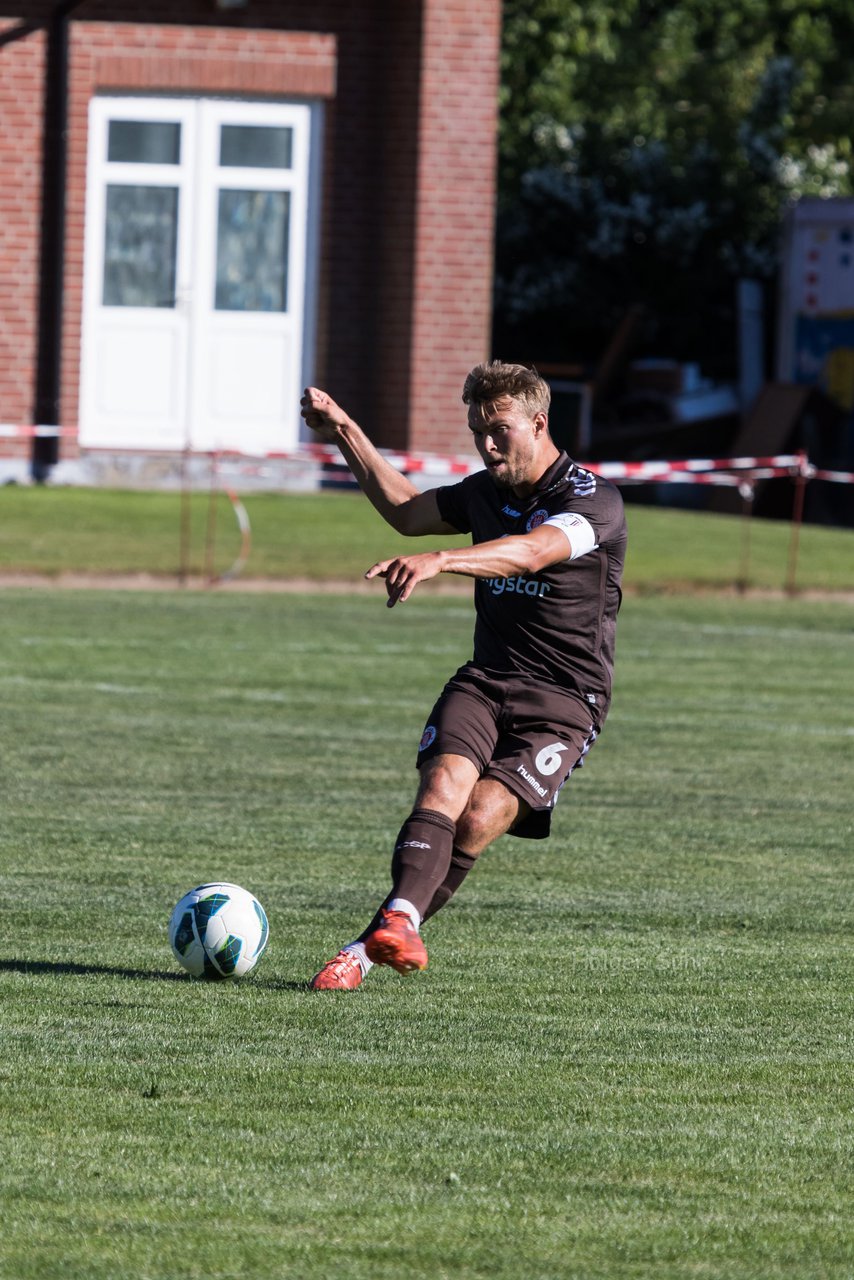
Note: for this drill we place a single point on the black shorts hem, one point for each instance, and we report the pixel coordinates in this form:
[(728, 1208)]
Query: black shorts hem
[(537, 824)]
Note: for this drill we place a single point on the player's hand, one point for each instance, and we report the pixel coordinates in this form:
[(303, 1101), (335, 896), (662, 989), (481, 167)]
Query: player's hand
[(403, 573), (322, 414)]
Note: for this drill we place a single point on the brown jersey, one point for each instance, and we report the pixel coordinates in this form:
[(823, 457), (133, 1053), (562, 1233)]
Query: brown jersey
[(558, 627)]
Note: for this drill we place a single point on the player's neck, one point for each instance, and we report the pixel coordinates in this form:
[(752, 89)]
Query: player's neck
[(539, 468)]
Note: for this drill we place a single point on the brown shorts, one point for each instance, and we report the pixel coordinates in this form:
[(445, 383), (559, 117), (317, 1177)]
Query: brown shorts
[(527, 735)]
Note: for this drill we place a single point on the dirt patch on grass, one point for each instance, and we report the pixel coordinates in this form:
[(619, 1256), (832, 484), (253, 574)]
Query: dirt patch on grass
[(170, 582), (447, 586)]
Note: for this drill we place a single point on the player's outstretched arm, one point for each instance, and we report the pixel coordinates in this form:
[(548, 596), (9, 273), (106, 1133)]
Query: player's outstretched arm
[(502, 558), (397, 500)]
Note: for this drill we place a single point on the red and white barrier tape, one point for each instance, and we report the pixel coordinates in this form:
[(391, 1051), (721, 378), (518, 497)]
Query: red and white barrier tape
[(411, 463), (701, 477), (785, 464), (8, 432), (716, 471), (654, 470)]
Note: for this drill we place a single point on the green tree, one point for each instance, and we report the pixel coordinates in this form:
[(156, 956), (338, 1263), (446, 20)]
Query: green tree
[(648, 152)]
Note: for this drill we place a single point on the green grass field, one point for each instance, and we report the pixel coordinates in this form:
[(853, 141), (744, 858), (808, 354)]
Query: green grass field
[(630, 1056), (337, 536)]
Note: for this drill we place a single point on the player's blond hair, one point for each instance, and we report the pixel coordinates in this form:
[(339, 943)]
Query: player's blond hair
[(488, 383)]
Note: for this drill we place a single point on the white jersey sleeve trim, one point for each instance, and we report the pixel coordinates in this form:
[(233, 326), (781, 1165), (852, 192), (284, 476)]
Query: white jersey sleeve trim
[(579, 532)]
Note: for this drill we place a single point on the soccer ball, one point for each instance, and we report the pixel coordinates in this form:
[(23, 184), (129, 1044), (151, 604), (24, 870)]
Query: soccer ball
[(218, 931)]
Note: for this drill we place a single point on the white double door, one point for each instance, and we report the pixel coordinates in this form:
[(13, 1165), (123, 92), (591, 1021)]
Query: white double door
[(197, 315)]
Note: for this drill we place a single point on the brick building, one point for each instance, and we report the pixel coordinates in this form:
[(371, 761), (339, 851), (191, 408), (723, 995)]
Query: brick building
[(206, 203)]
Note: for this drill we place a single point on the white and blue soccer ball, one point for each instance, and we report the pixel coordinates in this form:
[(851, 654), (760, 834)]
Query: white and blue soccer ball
[(218, 931)]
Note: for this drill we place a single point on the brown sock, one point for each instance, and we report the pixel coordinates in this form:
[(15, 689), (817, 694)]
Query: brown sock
[(421, 859), (461, 865)]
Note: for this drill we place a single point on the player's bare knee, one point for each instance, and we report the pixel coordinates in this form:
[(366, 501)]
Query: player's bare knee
[(471, 833), (477, 828), (490, 813), (446, 785)]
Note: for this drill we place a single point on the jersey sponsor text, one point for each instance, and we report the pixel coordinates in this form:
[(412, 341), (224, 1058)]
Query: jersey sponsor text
[(521, 586)]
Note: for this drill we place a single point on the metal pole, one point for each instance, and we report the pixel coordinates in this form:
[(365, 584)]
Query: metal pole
[(801, 479), (184, 537), (210, 537), (747, 491)]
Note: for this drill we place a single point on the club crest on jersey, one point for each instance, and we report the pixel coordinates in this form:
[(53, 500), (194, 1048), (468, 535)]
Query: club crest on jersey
[(428, 737), (538, 518)]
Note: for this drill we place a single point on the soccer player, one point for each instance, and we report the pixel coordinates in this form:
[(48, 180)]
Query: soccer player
[(548, 544)]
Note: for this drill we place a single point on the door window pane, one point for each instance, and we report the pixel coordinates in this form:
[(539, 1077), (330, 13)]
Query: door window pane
[(255, 147), (144, 142), (140, 246), (252, 251)]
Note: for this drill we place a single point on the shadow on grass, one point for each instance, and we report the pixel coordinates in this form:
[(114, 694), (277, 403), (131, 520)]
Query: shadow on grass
[(85, 970), (66, 967)]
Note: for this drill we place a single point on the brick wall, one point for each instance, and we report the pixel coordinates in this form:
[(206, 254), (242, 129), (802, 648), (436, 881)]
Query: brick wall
[(454, 249), (20, 212), (408, 183)]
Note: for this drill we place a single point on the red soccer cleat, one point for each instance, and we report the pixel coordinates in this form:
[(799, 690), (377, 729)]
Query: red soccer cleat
[(344, 973), (396, 942)]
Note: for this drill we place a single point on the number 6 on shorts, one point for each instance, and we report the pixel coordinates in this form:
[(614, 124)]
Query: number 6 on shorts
[(548, 760)]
